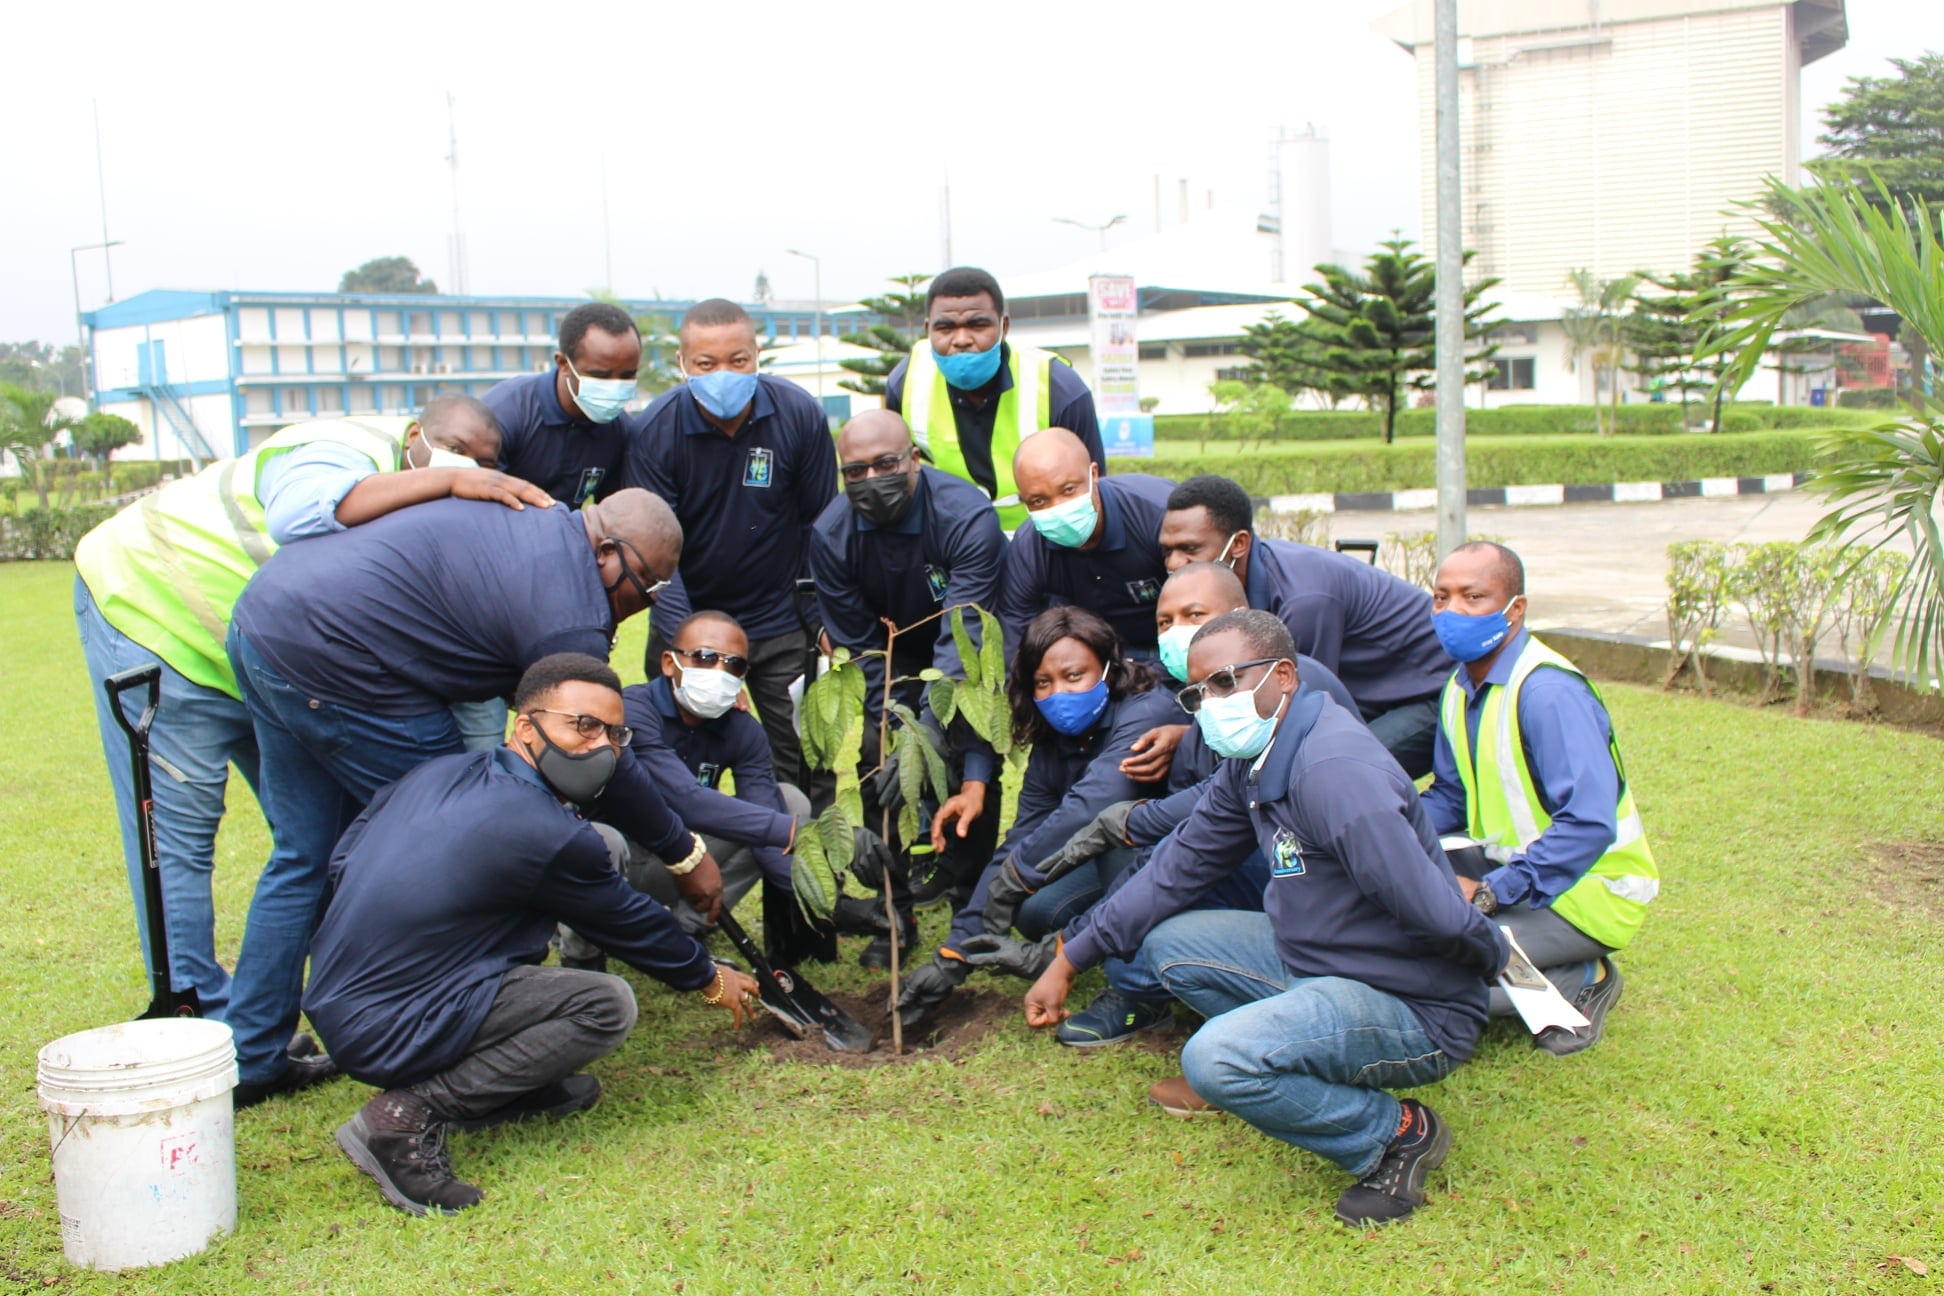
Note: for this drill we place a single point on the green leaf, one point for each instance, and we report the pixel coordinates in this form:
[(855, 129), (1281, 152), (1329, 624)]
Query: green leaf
[(944, 700), (968, 655), (935, 769), (911, 762), (825, 712), (992, 654), (930, 674), (834, 831), (839, 655), (810, 876), (910, 825)]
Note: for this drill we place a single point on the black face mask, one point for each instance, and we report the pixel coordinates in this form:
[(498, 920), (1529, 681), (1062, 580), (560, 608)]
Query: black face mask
[(579, 778), (880, 500)]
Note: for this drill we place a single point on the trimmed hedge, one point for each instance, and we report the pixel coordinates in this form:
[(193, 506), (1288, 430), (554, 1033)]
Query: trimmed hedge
[(1489, 461), (49, 533), (1510, 420)]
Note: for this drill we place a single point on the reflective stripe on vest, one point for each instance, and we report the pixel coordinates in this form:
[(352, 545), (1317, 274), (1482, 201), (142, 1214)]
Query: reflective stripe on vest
[(167, 570), (1024, 408), (1503, 807)]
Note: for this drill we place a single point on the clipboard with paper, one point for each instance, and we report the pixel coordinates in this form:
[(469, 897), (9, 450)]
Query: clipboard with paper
[(1536, 999)]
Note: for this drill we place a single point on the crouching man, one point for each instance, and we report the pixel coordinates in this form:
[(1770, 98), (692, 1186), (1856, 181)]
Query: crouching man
[(424, 975), (1367, 972)]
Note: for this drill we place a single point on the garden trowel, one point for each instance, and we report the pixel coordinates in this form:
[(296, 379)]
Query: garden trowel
[(794, 1001)]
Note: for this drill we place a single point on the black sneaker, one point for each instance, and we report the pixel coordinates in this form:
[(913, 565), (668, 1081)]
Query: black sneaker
[(396, 1140), (1593, 1001), (1396, 1187), (561, 1098), (1113, 1018), (302, 1073), (935, 888), (877, 955)]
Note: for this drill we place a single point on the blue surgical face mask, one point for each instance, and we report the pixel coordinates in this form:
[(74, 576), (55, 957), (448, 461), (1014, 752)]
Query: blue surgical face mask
[(1231, 726), (968, 370), (1074, 713), (1173, 643), (1468, 638), (1070, 524), (601, 399), (725, 393)]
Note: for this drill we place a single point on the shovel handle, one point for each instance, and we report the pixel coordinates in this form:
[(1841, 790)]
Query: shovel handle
[(147, 676)]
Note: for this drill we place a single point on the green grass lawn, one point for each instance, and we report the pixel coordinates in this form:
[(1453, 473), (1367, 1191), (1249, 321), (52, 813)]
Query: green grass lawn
[(1763, 1115)]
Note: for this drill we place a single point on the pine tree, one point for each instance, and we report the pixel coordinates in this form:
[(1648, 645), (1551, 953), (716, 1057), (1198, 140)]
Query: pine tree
[(1292, 355), (892, 341)]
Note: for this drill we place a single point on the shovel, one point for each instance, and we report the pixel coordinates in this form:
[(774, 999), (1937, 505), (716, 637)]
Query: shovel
[(164, 1001), (796, 1003)]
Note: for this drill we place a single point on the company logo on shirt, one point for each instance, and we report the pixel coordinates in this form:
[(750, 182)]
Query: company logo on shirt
[(937, 579), (590, 481), (760, 468), (708, 775), (1144, 591), (1289, 856)]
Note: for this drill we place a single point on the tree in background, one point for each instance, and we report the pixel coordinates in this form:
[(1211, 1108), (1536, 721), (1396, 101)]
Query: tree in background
[(1596, 329), (1293, 355), (1256, 410), (98, 436), (395, 274), (1378, 329), (1889, 128), (39, 366), (1664, 329), (1881, 482), (29, 420), (892, 341)]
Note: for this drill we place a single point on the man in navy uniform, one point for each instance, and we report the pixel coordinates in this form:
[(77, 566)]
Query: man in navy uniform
[(909, 542), (1089, 541), (745, 461), (1368, 970), (566, 429), (974, 398), (348, 650), (425, 972), (1370, 627)]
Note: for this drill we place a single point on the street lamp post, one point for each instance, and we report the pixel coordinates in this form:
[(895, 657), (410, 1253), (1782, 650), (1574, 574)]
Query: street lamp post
[(816, 268), (1101, 230), (80, 332)]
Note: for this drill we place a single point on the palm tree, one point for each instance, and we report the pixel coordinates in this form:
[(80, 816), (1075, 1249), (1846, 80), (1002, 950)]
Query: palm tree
[(28, 421), (1885, 481)]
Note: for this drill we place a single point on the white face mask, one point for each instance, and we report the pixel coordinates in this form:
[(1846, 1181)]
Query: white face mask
[(706, 693)]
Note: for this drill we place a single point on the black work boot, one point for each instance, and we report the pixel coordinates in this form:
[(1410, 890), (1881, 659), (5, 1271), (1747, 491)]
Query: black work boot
[(877, 955), (397, 1140), (1396, 1187)]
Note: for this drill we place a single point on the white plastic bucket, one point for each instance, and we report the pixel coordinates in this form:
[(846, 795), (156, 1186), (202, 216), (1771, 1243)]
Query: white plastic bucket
[(144, 1139)]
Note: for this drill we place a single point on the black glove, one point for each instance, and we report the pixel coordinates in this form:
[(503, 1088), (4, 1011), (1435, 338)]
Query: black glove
[(1004, 894), (929, 986), (882, 789), (858, 916), (1108, 831), (1003, 954), (870, 856)]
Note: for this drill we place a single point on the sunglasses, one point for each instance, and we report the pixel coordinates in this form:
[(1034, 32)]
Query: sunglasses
[(710, 659), (1219, 684), (588, 726), (878, 467)]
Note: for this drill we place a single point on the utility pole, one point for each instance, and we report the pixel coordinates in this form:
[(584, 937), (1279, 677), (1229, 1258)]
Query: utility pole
[(456, 253), (816, 266), (101, 186), (1451, 289)]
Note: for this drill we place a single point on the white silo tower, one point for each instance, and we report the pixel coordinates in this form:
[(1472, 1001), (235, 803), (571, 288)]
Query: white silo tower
[(1299, 204)]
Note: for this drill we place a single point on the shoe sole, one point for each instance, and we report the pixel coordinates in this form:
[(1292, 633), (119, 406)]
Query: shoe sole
[(1420, 1174), (1607, 994), (571, 1107), (351, 1138), (1109, 1041)]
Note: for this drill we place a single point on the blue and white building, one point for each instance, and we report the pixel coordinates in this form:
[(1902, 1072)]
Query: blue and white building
[(208, 375)]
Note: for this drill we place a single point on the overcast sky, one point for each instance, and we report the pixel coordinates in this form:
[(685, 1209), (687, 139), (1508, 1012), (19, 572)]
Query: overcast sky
[(272, 147)]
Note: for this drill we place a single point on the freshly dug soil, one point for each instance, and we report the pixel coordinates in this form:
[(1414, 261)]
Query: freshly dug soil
[(958, 1024)]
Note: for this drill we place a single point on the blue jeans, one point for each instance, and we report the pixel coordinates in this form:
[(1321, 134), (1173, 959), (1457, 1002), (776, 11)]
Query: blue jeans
[(321, 764), (1060, 901), (198, 732), (1242, 889), (482, 725), (1303, 1059)]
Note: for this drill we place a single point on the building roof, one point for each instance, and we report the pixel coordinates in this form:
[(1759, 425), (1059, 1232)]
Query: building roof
[(1821, 26)]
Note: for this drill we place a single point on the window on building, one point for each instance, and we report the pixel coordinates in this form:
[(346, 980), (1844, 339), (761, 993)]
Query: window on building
[(419, 323), (388, 324), (1513, 373), (1154, 350), (330, 400), (297, 402), (363, 400), (1195, 350), (1238, 373), (257, 402)]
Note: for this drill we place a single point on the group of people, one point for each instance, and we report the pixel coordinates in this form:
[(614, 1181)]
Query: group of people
[(399, 631)]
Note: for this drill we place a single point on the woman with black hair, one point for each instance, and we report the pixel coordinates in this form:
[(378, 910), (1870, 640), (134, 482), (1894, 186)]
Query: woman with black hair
[(1081, 704)]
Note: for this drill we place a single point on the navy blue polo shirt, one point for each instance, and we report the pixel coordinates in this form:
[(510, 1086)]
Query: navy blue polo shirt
[(1359, 887), (1194, 762), (1069, 404), (945, 552), (1372, 628), (453, 876), (447, 601), (746, 504), (1119, 579), (572, 459), (687, 763), (1069, 780)]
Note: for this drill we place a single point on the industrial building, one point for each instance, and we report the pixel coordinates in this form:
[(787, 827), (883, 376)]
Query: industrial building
[(1614, 135)]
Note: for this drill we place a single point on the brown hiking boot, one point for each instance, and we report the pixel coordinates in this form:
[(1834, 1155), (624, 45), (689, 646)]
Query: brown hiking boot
[(1174, 1097), (397, 1140)]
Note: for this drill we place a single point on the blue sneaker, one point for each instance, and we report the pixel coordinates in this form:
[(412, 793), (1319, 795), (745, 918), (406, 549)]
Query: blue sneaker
[(1113, 1018)]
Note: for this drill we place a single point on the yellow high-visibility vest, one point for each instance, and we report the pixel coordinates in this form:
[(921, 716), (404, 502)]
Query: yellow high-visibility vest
[(1024, 408)]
